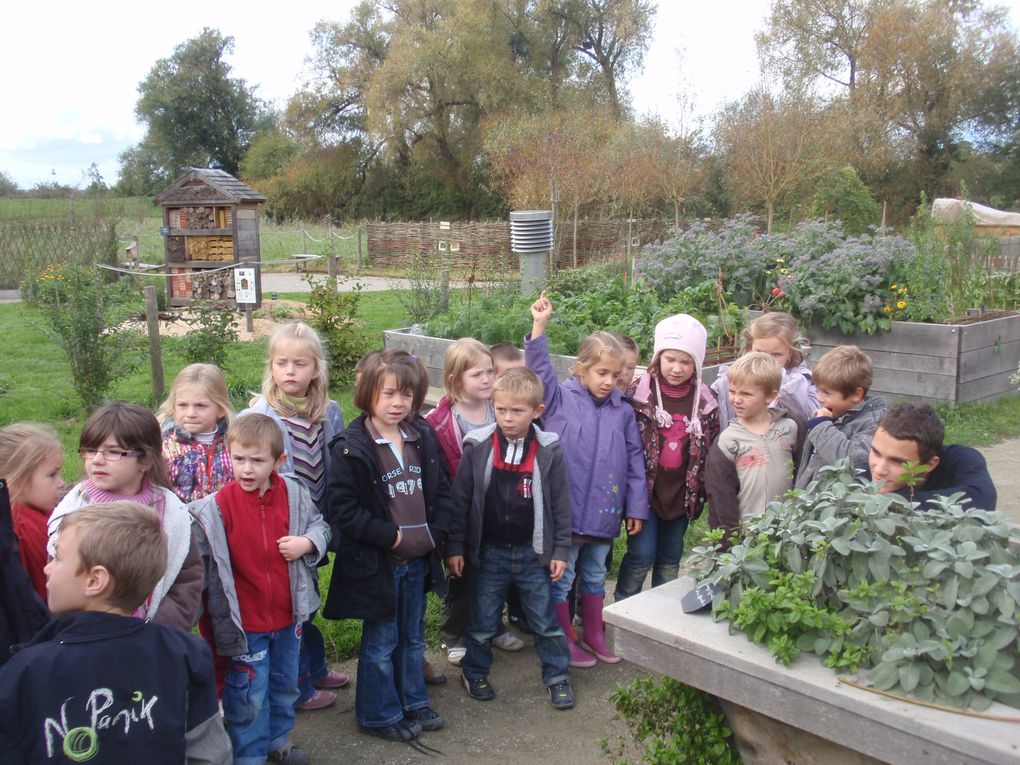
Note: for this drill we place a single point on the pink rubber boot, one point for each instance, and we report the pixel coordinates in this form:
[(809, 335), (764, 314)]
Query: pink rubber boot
[(578, 656), (595, 629)]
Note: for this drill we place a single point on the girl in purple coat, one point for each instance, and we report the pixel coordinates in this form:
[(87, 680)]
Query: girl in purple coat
[(605, 463)]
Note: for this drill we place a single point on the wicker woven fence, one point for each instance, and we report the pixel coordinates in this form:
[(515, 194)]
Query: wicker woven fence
[(27, 246), (394, 245)]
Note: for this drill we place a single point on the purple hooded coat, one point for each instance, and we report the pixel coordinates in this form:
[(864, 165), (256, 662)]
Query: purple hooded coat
[(601, 445)]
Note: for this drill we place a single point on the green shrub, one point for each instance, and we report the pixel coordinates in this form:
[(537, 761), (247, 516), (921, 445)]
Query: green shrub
[(333, 315), (673, 724), (212, 330)]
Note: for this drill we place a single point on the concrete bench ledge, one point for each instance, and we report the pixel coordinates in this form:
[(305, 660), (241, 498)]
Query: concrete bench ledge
[(651, 630)]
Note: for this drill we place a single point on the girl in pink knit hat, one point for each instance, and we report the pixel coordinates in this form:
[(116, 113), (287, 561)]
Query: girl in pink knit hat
[(678, 419)]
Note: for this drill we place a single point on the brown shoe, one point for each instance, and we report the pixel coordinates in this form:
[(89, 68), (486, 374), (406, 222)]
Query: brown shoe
[(433, 675)]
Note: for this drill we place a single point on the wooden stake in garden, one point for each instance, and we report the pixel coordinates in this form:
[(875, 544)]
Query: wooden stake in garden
[(155, 348)]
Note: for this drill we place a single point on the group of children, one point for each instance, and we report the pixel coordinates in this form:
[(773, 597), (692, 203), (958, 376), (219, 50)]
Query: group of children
[(517, 482)]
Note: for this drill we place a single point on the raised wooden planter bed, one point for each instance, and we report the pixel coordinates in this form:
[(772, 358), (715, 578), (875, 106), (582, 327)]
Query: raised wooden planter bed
[(923, 363), (801, 713)]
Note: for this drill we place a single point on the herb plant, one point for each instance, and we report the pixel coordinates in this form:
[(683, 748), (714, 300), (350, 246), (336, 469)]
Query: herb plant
[(925, 600)]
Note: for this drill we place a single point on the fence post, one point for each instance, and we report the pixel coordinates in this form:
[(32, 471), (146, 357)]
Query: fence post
[(155, 349), (361, 262), (334, 269)]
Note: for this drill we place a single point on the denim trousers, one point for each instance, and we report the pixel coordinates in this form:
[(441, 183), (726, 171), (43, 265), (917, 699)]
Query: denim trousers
[(391, 660), (588, 563), (658, 546), (259, 692), (498, 569)]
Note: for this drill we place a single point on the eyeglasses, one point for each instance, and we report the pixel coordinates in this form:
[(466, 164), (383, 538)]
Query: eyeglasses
[(110, 455)]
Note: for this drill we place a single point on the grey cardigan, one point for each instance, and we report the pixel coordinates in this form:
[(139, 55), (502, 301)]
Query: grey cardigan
[(551, 496), (221, 602)]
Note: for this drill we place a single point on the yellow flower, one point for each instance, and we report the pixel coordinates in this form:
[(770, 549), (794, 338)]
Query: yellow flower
[(901, 304), (887, 309), (893, 287)]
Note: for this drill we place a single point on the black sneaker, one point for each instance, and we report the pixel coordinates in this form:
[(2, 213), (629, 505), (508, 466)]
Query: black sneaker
[(290, 755), (560, 695), (480, 689), (426, 717), (398, 731)]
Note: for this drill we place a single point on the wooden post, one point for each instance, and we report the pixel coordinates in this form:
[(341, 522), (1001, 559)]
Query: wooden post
[(361, 262), (155, 349), (249, 318), (334, 269)]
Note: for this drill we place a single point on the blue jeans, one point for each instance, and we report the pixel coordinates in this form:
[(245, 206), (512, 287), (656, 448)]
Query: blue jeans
[(658, 546), (588, 562), (392, 656), (259, 692), (498, 569)]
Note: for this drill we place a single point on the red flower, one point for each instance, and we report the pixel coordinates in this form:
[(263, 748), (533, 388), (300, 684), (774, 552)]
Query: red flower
[(777, 291)]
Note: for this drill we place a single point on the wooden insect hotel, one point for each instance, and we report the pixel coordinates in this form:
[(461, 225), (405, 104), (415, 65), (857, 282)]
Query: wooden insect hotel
[(210, 220)]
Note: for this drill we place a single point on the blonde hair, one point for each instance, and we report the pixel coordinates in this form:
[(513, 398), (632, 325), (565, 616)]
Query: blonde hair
[(845, 368), (318, 388), (756, 368), (209, 378), (594, 347), (784, 326), (23, 446), (460, 357), (127, 539), (522, 383), (257, 430)]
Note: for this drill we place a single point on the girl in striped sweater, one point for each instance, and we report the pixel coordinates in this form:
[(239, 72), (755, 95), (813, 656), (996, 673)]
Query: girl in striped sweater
[(295, 393)]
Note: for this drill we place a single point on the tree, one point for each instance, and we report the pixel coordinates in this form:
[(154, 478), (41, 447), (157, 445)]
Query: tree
[(841, 194), (807, 39), (774, 146), (8, 186), (613, 35), (270, 153), (195, 113)]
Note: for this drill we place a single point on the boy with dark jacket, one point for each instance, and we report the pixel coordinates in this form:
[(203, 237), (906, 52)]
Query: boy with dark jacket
[(842, 428), (513, 526), (98, 684), (261, 537)]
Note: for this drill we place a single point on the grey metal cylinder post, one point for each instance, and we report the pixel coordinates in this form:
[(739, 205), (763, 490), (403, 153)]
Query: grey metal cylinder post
[(531, 237)]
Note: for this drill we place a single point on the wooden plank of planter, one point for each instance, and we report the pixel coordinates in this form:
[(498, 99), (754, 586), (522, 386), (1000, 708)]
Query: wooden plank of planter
[(915, 361), (913, 386), (984, 334), (651, 630), (907, 337), (989, 360), (987, 388)]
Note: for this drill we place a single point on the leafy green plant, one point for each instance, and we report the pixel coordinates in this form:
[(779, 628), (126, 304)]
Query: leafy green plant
[(333, 314), (673, 724), (926, 601), (428, 292), (85, 317), (212, 330)]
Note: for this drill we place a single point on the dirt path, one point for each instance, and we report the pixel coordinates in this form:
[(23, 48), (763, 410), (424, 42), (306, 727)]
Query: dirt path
[(1004, 466), (518, 726)]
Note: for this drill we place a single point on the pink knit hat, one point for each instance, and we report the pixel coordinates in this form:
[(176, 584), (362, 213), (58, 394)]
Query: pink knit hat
[(681, 333)]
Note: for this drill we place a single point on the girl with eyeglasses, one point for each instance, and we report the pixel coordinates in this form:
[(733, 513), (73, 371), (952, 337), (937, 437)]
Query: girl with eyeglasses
[(122, 449)]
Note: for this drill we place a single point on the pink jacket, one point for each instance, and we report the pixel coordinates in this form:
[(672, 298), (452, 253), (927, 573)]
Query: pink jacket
[(448, 433)]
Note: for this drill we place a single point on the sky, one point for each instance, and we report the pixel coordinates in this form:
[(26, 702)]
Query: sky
[(70, 71)]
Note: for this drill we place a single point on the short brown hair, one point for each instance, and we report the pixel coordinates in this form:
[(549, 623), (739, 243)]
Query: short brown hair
[(756, 368), (133, 427), (845, 368), (594, 347), (917, 423), (255, 430), (505, 353), (522, 383), (127, 539), (408, 372)]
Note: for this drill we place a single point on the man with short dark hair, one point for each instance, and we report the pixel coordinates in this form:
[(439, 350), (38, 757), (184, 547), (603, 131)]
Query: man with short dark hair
[(909, 433)]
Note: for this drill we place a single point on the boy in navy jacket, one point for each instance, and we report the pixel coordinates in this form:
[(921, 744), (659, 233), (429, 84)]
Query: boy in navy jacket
[(99, 684)]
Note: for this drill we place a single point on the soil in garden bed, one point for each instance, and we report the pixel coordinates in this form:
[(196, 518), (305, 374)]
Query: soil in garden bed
[(979, 316)]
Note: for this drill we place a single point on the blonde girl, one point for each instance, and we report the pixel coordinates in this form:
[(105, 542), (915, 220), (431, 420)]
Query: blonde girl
[(195, 417), (295, 394), (122, 449), (605, 462), (777, 334), (468, 374), (30, 461)]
